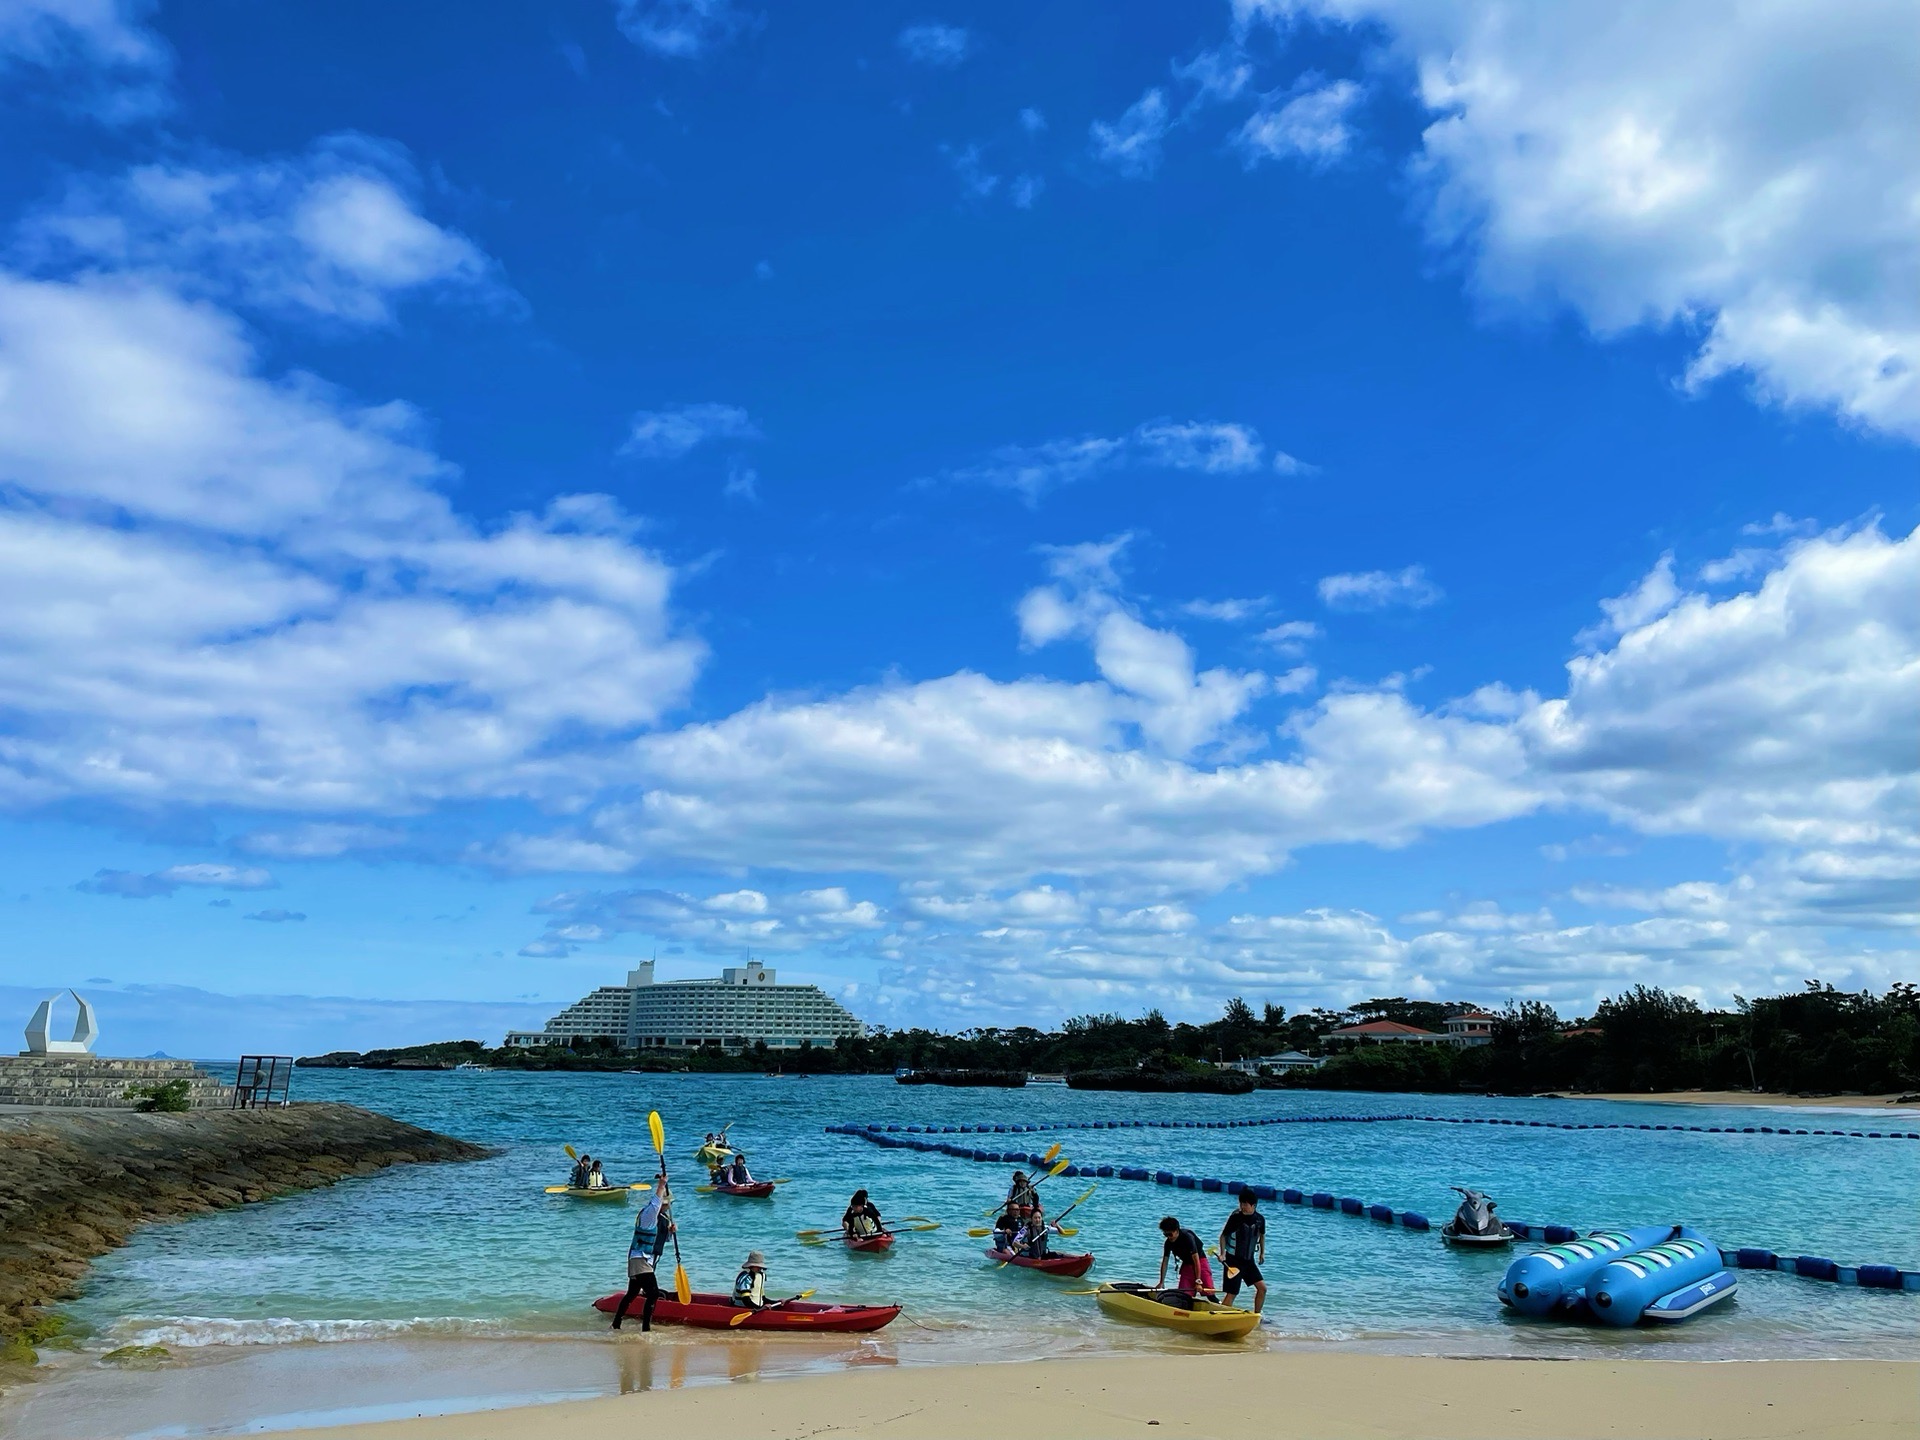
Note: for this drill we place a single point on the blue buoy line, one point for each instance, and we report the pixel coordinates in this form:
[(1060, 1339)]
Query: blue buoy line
[(1381, 1120), (919, 1137)]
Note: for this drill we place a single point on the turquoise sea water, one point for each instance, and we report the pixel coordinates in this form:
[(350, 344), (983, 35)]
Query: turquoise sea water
[(478, 1250)]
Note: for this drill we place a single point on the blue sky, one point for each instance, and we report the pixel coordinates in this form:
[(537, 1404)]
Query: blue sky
[(1003, 514)]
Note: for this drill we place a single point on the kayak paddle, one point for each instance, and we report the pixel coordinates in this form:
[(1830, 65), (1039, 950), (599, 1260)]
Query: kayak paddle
[(745, 1315), (682, 1287), (1057, 1168)]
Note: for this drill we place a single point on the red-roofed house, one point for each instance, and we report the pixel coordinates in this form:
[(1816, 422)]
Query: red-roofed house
[(1387, 1032), (1474, 1027)]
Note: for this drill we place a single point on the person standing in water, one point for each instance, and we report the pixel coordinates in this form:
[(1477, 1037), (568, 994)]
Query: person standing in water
[(1243, 1250), (1185, 1247), (652, 1227)]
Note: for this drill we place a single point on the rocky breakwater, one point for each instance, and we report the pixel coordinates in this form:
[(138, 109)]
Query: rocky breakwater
[(75, 1183)]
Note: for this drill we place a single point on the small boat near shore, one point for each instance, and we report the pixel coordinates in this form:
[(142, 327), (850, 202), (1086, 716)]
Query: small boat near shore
[(869, 1244), (718, 1312), (1071, 1266), (1189, 1314)]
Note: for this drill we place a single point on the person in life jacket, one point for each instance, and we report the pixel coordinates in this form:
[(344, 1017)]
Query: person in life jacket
[(862, 1218), (750, 1285), (1185, 1248), (595, 1179), (1032, 1241), (1021, 1199), (652, 1228), (737, 1173), (1005, 1229), (577, 1177)]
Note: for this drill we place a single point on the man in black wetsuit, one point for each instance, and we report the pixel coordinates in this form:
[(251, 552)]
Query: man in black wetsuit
[(1243, 1250)]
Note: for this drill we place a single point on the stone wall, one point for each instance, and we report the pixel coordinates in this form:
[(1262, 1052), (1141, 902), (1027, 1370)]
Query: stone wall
[(97, 1082), (75, 1183)]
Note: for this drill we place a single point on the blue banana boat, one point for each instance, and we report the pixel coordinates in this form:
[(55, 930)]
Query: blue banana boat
[(1620, 1277)]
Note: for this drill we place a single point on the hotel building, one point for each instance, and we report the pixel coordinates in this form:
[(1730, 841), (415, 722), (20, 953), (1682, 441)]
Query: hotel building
[(746, 1004)]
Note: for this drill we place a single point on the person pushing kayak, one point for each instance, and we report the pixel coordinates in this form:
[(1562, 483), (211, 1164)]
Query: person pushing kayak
[(862, 1218), (1185, 1247), (750, 1285), (1243, 1250), (652, 1227)]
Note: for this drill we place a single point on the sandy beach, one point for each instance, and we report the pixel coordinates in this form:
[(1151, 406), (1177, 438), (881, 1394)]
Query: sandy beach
[(1749, 1097), (1259, 1397)]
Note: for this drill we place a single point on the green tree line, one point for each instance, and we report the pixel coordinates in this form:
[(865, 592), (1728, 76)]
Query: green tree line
[(1817, 1039)]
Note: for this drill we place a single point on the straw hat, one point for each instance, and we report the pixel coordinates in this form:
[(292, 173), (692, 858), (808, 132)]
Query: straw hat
[(756, 1261)]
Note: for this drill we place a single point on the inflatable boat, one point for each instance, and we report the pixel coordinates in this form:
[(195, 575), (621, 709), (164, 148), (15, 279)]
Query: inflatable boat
[(1189, 1314), (1072, 1266), (1620, 1277), (718, 1312)]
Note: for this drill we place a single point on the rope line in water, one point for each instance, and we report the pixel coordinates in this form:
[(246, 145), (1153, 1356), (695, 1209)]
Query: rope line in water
[(1383, 1119), (899, 1137)]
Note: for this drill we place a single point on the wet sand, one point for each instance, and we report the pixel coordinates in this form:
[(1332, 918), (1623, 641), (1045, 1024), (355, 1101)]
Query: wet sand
[(1258, 1397), (1748, 1097)]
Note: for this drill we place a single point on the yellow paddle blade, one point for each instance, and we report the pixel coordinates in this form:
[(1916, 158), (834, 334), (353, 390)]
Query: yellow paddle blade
[(639, 1185), (980, 1232), (572, 1154), (1053, 1151), (659, 1133), (703, 1190), (1058, 1167), (682, 1287), (1067, 1229), (556, 1189), (929, 1225)]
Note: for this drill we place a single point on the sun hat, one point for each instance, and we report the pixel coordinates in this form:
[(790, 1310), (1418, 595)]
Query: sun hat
[(756, 1259)]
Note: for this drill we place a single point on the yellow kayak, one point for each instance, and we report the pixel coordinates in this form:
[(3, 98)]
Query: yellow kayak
[(596, 1192), (1127, 1301), (711, 1156)]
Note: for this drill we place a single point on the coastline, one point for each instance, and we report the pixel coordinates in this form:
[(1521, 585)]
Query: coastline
[(1761, 1100), (1244, 1397), (76, 1183)]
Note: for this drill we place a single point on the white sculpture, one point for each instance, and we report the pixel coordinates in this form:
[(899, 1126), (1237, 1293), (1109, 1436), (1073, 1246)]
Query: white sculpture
[(85, 1029)]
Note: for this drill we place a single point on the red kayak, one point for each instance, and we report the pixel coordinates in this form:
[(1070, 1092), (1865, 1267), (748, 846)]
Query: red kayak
[(758, 1190), (1072, 1266), (869, 1243), (718, 1312)]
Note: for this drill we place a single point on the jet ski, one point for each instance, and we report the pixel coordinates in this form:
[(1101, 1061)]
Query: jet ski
[(1474, 1225)]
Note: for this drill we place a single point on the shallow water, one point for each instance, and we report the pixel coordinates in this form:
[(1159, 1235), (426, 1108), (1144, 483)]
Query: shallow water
[(476, 1251)]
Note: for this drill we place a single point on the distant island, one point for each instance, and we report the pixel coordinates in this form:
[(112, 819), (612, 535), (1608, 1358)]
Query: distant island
[(1818, 1040)]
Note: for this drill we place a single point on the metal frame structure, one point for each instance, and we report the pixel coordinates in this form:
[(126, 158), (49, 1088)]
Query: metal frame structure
[(262, 1080)]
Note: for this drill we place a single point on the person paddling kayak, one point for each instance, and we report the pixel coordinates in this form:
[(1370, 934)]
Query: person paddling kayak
[(577, 1177), (1243, 1250), (750, 1285), (1021, 1199), (596, 1179), (737, 1173), (1185, 1247), (862, 1217), (652, 1227)]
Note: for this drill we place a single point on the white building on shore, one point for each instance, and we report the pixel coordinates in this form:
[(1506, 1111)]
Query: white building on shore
[(746, 1004)]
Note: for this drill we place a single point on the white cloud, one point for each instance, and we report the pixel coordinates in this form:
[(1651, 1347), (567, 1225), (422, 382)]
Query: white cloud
[(1218, 75), (1032, 121), (1651, 598), (735, 922), (680, 29), (1215, 449), (935, 44), (336, 233), (220, 588), (131, 885), (1131, 144), (670, 434), (1752, 171), (1228, 612), (1312, 126), (103, 59), (319, 840), (1291, 637), (975, 182), (1205, 446), (1026, 190), (1379, 590)]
